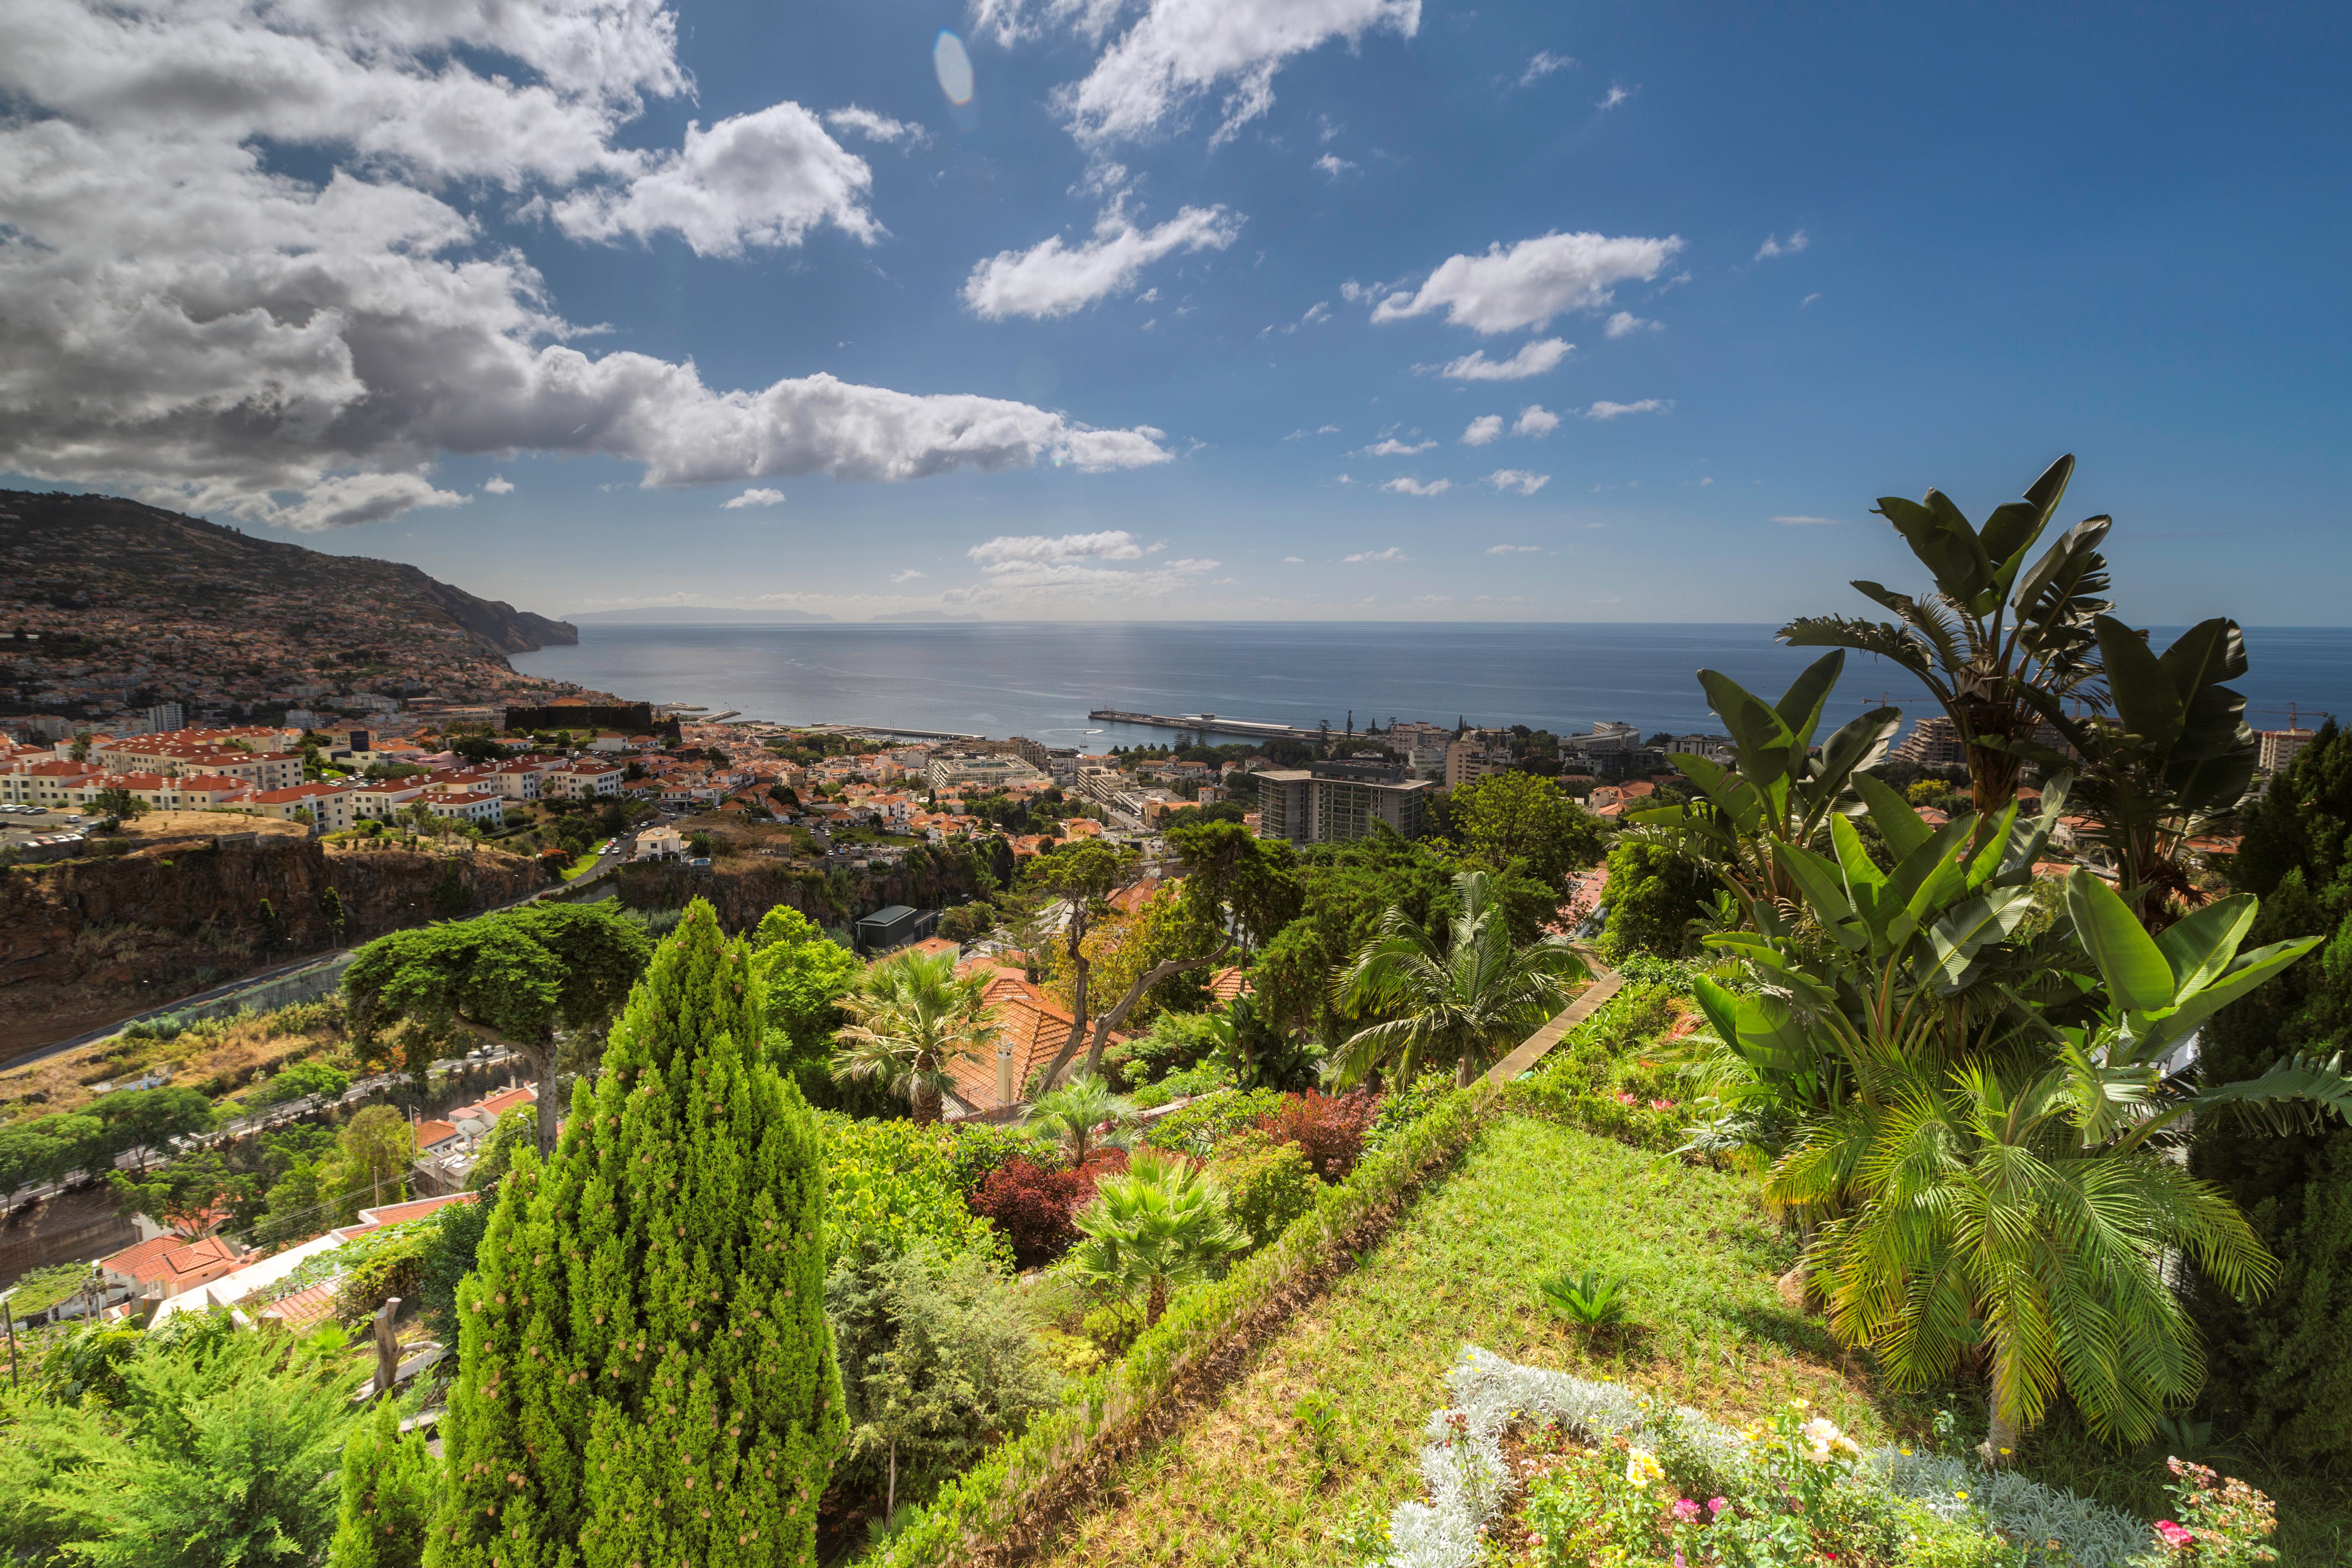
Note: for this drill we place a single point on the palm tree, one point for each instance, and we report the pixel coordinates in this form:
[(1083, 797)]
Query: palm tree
[(912, 1019), (2001, 647), (1073, 1111), (1986, 1221), (1463, 989), (1160, 1226)]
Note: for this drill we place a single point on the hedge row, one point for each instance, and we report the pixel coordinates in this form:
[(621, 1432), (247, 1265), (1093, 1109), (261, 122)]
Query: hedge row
[(982, 1511)]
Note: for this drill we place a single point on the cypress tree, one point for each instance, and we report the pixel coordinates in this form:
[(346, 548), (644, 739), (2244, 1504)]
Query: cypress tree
[(647, 1378), (390, 1482)]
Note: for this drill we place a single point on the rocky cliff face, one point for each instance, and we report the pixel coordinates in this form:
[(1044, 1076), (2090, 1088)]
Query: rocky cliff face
[(85, 941), (742, 890)]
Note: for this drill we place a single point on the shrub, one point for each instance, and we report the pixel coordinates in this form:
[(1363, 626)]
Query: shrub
[(1268, 1185), (1401, 1108), (301, 1079), (1034, 1205), (1031, 1205), (982, 1147), (1197, 1128), (1590, 1299), (1177, 1041), (1203, 1077), (397, 1270), (890, 1188), (1329, 1129)]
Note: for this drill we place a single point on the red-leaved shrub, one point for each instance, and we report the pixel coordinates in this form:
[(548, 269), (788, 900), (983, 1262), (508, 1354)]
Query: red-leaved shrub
[(1034, 1207), (1329, 1129)]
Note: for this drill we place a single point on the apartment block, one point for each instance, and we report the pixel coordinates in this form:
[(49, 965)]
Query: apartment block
[(1331, 803)]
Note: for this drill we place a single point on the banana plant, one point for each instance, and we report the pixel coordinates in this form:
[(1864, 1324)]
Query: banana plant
[(2159, 989), (2001, 645), (2173, 761), (1775, 788)]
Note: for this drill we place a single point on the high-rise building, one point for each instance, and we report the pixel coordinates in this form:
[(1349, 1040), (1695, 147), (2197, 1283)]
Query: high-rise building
[(1474, 757), (1331, 802), (2280, 747), (1934, 743), (166, 717)]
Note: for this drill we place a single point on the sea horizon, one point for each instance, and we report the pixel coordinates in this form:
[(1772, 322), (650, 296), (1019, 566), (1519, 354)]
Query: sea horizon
[(1041, 678)]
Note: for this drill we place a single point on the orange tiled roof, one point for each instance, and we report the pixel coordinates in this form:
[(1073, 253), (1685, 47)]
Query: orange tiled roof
[(305, 1308), (1228, 983), (1035, 1025), (175, 1264)]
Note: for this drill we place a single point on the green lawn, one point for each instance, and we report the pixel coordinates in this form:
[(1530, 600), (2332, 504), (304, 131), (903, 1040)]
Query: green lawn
[(585, 862), (1531, 1197)]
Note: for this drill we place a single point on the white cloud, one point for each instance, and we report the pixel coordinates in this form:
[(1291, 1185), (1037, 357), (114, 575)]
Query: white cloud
[(1617, 95), (1294, 561), (1801, 521), (1517, 481), (1326, 430), (191, 320), (1111, 544), (909, 575), (1535, 419), (1531, 282), (1625, 324), (1180, 50), (498, 485), (1607, 410), (1050, 278), (1333, 165), (1319, 311), (1774, 246), (1542, 65), (759, 179), (1533, 359), (1514, 548), (753, 498), (1806, 301), (1391, 446), (1707, 482), (1369, 556), (1485, 428), (875, 127), (1410, 486)]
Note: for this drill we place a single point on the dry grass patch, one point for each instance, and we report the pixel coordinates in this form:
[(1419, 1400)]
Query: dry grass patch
[(1242, 1484), (222, 1057)]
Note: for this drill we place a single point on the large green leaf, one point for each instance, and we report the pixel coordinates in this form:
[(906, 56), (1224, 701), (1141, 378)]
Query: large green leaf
[(2201, 946), (1822, 886), (1800, 706), (2137, 974), (1859, 743), (1944, 542), (2146, 702), (1760, 739), (1722, 1009), (1897, 821), (2252, 970), (1724, 790), (2319, 1085)]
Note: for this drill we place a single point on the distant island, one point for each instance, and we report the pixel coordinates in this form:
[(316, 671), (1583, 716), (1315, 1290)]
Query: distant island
[(696, 616), (927, 616)]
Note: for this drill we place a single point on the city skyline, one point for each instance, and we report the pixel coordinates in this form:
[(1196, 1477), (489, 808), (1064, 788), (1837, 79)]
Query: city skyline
[(1037, 310)]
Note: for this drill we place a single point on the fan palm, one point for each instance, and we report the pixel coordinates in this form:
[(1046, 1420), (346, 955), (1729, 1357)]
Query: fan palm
[(1073, 1112), (1160, 1226), (911, 1019), (1462, 989)]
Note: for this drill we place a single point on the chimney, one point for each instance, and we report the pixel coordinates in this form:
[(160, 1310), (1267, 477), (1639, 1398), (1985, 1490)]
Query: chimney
[(1006, 1090)]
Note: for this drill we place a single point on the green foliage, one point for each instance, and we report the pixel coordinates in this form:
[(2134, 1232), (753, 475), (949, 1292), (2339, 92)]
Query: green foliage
[(1611, 1076), (895, 1187), (1200, 1127), (1185, 1083), (1652, 895), (217, 1449), (1999, 646), (391, 1486), (43, 1288), (648, 1310), (49, 1147), (370, 1166), (1175, 1041), (912, 1018), (979, 1147), (142, 1121), (394, 1270), (2281, 1374), (938, 1362), (298, 1081), (445, 1254), (1464, 992), (1080, 1113), (1591, 1300), (1153, 1227), (1517, 818), (1266, 1185), (968, 923)]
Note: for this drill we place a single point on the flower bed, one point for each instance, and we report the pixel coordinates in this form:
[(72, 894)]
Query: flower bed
[(1626, 1479)]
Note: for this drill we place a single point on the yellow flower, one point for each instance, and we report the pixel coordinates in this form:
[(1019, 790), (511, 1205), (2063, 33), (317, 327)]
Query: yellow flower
[(1640, 1469), (1962, 1496), (1906, 1453)]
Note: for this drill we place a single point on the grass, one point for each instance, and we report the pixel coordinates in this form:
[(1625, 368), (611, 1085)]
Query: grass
[(586, 861), (222, 1055), (1706, 1327)]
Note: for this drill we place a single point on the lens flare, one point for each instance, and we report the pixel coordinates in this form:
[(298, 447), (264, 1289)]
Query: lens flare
[(953, 67)]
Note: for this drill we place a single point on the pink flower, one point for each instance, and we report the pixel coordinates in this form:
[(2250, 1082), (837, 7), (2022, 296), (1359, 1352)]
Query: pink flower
[(1678, 1560), (1718, 1504), (1662, 1105), (2174, 1536), (1685, 1510)]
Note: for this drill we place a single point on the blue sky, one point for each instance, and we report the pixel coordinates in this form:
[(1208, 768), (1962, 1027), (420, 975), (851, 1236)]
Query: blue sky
[(1214, 262)]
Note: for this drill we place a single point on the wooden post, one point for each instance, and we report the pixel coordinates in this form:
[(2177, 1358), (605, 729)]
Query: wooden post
[(387, 1346)]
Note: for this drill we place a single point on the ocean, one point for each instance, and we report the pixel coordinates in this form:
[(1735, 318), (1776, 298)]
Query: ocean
[(1040, 678)]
